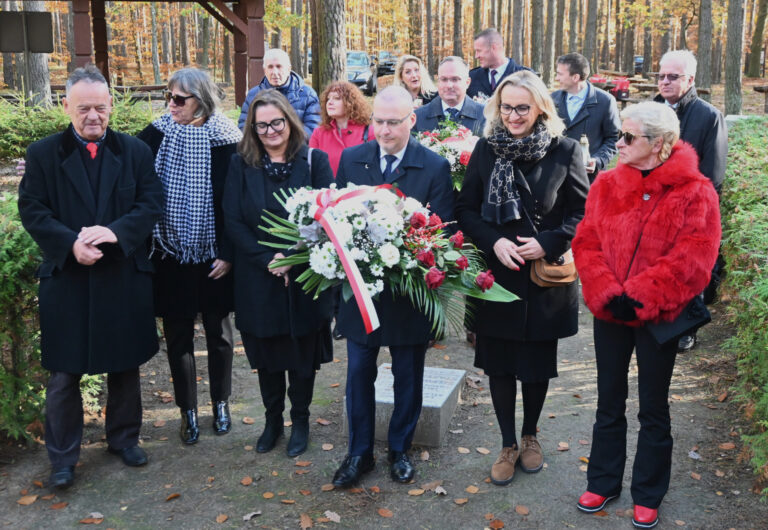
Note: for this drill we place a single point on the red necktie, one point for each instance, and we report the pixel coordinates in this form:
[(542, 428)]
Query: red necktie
[(92, 148)]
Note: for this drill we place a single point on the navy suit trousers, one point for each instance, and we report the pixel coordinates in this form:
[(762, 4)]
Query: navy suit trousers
[(408, 372)]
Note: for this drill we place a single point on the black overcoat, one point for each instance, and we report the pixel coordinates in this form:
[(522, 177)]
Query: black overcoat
[(264, 306), (553, 190), (96, 318), (426, 177), (182, 291)]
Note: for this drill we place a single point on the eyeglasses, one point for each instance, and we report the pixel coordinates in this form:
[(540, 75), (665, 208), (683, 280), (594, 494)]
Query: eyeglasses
[(454, 80), (520, 110), (672, 77), (179, 101), (390, 123), (629, 137), (261, 127)]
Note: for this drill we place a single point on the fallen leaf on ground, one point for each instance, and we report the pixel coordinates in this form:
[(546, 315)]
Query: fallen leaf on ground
[(439, 346), (678, 522), (334, 385), (26, 500), (221, 518), (488, 516), (59, 505), (563, 446), (601, 513), (38, 483), (677, 397), (248, 448), (482, 450), (268, 495), (424, 456), (333, 516), (327, 447), (722, 397), (375, 489), (463, 450), (577, 396), (584, 442), (211, 479), (303, 463), (172, 496), (93, 518), (384, 512), (584, 459), (301, 471), (248, 420), (461, 501), (416, 492), (323, 421), (429, 486), (327, 487), (695, 476), (487, 480), (48, 497), (620, 512), (522, 510), (583, 469), (287, 423), (288, 501), (305, 492), (472, 489), (446, 358), (719, 473), (355, 490), (159, 423), (249, 516), (440, 491), (551, 416), (246, 481), (305, 521), (336, 360), (496, 524), (727, 446)]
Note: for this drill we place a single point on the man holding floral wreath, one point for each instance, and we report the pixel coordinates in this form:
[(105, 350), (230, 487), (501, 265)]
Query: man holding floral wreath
[(394, 158)]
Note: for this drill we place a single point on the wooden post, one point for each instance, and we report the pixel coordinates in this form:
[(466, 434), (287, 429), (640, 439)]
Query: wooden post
[(249, 49), (82, 30), (240, 45), (100, 45)]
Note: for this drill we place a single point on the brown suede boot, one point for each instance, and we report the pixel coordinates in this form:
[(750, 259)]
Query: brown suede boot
[(503, 470), (531, 455)]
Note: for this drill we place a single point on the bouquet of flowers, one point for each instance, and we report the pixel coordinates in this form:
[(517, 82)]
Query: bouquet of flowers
[(453, 142), (369, 238)]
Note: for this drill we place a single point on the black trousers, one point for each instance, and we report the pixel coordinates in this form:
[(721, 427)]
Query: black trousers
[(180, 340), (300, 389), (64, 414), (653, 460)]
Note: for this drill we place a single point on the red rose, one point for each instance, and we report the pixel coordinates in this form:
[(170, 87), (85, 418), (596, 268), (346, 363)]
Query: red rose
[(457, 239), (434, 278), (464, 158), (426, 257), (418, 220), (462, 263), (484, 280), (434, 220)]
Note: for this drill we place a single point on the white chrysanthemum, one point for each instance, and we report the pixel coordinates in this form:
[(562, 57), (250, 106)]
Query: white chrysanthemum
[(411, 205), (384, 226), (411, 264), (358, 223), (377, 270), (322, 260), (389, 254), (379, 286), (358, 254), (343, 232)]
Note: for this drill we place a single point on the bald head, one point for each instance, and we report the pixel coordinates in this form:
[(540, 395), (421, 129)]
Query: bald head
[(394, 96), (393, 118)]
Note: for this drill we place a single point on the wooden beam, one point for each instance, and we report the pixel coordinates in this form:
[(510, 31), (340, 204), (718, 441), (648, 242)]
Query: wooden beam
[(100, 45), (81, 21), (236, 21), (218, 16)]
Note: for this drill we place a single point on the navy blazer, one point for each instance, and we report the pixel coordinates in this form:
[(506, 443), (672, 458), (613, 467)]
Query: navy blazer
[(425, 176), (479, 78), (598, 118), (428, 117)]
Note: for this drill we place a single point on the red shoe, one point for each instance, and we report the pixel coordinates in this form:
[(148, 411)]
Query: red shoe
[(645, 517), (592, 502)]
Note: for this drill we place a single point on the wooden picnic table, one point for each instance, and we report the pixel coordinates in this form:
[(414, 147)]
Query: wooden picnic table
[(763, 89)]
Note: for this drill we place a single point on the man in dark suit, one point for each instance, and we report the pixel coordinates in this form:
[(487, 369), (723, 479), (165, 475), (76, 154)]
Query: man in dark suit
[(494, 65), (398, 159), (89, 198), (588, 110), (452, 102)]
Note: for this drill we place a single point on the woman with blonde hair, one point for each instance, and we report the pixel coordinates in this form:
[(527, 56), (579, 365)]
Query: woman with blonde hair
[(411, 74), (522, 198)]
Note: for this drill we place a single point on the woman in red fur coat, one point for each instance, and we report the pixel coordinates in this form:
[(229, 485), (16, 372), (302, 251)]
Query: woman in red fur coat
[(655, 190)]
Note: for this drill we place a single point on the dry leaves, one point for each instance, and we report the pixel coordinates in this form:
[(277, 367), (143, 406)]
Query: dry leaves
[(288, 501), (221, 518), (563, 446), (323, 421), (159, 423), (461, 501), (463, 450), (305, 521), (251, 515), (584, 459), (268, 495), (303, 463), (172, 496), (584, 442), (488, 516), (93, 518), (472, 489), (719, 473), (384, 512), (375, 489), (327, 447), (305, 492), (59, 505), (26, 500), (695, 476), (416, 492), (439, 346), (48, 497), (429, 486), (248, 420), (440, 491), (496, 524), (424, 456), (248, 448), (727, 446), (246, 481), (678, 522), (722, 397), (334, 385), (38, 483), (287, 423), (332, 516), (601, 513), (482, 450), (327, 487), (522, 510)]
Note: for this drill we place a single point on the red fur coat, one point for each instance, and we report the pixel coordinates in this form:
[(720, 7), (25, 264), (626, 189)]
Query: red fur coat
[(679, 243)]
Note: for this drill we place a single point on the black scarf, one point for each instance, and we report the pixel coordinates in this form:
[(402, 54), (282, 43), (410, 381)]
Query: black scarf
[(277, 171), (502, 200)]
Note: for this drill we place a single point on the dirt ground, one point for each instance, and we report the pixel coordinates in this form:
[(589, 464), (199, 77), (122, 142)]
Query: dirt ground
[(197, 486)]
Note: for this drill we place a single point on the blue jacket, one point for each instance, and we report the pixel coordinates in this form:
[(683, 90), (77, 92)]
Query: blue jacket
[(303, 99), (598, 118), (479, 78), (425, 176), (429, 116)]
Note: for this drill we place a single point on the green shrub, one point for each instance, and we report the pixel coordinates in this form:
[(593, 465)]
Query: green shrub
[(745, 246)]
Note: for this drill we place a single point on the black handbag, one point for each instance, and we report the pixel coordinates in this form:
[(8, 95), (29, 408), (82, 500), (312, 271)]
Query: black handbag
[(692, 317)]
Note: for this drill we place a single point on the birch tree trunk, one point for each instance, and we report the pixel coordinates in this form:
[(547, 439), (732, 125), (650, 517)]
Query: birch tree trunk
[(183, 40), (155, 55)]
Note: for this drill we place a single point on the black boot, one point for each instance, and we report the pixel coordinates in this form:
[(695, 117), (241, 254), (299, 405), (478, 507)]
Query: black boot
[(189, 431), (297, 443), (273, 429), (222, 421)]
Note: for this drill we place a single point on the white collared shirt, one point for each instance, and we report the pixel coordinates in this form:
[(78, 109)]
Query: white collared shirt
[(457, 107), (383, 161), (574, 102), (499, 72)]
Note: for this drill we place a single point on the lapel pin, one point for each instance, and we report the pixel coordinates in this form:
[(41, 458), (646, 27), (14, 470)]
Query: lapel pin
[(366, 166)]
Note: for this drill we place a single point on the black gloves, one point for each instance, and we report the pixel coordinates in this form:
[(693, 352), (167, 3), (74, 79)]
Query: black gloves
[(623, 307)]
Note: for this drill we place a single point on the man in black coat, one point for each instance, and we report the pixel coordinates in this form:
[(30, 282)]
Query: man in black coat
[(397, 159), (588, 110), (494, 65), (452, 103), (89, 198)]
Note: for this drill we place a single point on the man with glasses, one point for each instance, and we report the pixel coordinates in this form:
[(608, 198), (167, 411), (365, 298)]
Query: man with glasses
[(398, 159), (494, 65), (702, 126), (278, 75), (586, 109), (451, 103)]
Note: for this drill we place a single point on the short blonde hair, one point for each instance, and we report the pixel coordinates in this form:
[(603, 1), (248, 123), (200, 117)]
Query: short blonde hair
[(537, 89), (427, 85), (658, 121)]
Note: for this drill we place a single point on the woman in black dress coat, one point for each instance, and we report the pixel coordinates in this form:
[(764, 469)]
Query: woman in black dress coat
[(283, 329), (193, 144), (523, 196)]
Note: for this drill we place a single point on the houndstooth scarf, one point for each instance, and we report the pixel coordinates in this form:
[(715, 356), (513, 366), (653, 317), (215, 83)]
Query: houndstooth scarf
[(187, 230), (502, 202)]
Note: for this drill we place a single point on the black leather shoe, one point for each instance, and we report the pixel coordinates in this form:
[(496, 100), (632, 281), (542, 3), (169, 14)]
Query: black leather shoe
[(132, 456), (222, 421), (400, 467), (62, 478), (272, 431), (189, 431), (352, 469), (686, 343), (336, 333), (297, 443)]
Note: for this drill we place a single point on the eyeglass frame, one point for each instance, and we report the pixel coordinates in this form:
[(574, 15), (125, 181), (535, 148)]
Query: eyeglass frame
[(170, 96), (390, 123), (629, 137), (257, 124), (672, 77), (514, 109)]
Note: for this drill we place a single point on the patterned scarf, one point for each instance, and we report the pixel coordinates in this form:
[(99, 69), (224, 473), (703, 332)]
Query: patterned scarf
[(187, 230), (502, 202)]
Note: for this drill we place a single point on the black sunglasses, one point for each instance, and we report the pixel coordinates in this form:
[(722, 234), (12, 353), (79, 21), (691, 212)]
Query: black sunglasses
[(671, 77), (629, 137), (179, 101)]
